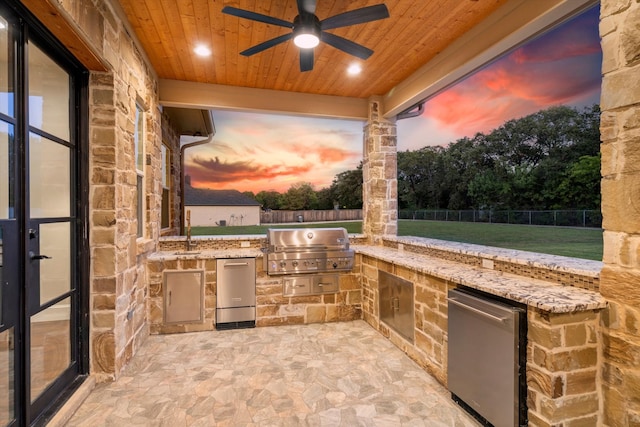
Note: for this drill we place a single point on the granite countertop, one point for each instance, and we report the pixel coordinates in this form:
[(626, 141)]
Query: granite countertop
[(582, 267), (543, 295), (206, 254)]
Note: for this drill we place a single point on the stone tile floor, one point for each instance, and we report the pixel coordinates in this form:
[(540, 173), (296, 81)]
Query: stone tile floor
[(333, 374)]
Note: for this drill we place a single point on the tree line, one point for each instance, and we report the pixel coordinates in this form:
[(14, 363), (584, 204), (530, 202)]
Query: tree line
[(345, 192), (546, 160)]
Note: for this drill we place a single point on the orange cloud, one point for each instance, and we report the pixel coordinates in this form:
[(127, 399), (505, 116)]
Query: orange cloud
[(216, 174), (324, 154)]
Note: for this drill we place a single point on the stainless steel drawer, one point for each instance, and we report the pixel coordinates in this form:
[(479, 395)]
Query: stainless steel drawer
[(297, 286), (325, 284), (311, 284)]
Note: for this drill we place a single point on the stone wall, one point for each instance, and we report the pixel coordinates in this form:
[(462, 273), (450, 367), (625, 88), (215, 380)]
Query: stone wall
[(118, 280), (620, 277), (380, 176), (562, 368)]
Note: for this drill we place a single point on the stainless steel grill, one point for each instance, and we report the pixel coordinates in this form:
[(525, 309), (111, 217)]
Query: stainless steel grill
[(307, 250)]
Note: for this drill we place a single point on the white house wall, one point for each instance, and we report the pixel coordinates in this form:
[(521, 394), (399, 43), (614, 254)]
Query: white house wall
[(210, 216)]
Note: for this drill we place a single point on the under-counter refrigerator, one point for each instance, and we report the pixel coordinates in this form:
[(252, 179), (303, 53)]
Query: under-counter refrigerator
[(235, 293), (487, 357)]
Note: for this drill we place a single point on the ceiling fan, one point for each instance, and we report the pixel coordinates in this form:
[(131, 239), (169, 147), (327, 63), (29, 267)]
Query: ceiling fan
[(308, 31)]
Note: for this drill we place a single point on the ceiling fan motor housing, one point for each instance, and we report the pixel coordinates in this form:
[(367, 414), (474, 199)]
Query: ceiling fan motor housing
[(306, 23)]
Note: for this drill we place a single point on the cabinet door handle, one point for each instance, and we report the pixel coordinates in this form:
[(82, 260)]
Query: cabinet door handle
[(169, 297)]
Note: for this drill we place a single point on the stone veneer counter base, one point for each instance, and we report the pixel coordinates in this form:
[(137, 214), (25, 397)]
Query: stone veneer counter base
[(544, 295), (536, 293)]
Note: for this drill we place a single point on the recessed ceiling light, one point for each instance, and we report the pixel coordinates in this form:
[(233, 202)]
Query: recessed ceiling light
[(202, 50), (354, 69)]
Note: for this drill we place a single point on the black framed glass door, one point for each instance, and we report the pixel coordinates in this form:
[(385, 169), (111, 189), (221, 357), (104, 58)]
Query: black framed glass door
[(43, 349)]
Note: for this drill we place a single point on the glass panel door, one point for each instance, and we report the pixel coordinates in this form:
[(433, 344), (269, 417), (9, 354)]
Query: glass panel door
[(51, 295)]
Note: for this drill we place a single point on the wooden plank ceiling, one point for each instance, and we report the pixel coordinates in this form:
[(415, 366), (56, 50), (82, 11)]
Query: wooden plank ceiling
[(416, 31)]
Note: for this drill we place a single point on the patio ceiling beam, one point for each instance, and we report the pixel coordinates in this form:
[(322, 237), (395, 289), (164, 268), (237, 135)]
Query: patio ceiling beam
[(175, 93)]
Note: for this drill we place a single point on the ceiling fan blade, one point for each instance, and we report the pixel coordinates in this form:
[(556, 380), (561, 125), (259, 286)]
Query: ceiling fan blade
[(357, 16), (306, 59), (266, 45), (241, 13), (345, 45), (308, 6)]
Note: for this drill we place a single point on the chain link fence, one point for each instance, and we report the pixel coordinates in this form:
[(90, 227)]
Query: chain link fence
[(564, 218)]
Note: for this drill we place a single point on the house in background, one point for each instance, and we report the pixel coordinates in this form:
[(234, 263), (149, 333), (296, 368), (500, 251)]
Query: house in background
[(211, 208)]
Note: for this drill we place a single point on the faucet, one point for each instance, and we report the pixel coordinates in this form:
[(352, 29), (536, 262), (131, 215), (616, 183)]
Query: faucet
[(191, 245)]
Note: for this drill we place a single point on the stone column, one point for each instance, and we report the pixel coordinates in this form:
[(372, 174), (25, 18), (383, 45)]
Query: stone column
[(620, 277), (380, 176)]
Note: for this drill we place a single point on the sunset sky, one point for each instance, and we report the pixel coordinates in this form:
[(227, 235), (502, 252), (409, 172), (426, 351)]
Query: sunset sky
[(256, 152)]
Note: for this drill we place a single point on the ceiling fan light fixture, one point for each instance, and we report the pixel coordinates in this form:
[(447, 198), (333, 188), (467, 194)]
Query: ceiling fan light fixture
[(306, 31), (306, 41)]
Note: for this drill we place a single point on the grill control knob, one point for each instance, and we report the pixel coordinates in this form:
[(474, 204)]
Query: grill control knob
[(294, 263), (283, 264), (335, 265)]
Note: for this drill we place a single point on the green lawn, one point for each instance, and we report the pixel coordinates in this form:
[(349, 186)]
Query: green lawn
[(583, 243), (351, 226)]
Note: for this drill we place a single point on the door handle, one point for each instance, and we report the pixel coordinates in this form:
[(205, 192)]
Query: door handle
[(35, 257), (477, 311)]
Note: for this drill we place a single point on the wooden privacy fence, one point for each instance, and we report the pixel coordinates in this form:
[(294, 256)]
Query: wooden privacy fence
[(280, 217)]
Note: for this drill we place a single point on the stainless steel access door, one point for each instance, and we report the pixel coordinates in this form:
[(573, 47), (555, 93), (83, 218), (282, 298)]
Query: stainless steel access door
[(483, 364), (236, 290), (396, 304)]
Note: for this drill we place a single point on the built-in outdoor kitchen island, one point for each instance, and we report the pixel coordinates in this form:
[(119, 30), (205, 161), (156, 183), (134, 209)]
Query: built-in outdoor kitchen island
[(560, 295)]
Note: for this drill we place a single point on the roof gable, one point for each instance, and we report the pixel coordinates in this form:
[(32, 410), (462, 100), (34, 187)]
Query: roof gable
[(206, 197)]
